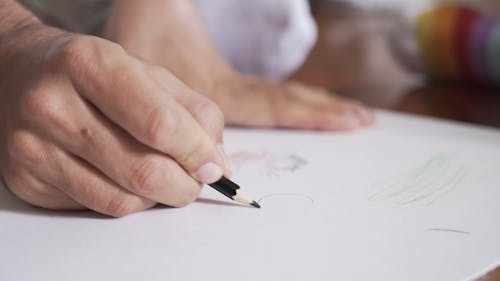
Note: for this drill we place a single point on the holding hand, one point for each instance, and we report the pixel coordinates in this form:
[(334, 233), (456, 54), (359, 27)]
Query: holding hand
[(85, 125)]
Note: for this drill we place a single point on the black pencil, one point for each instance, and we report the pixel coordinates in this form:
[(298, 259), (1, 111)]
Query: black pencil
[(233, 191)]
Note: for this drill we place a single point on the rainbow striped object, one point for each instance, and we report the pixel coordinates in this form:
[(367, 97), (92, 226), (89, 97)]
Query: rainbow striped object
[(457, 42)]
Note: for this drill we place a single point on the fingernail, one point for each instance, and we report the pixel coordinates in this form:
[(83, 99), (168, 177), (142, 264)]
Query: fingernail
[(209, 173), (227, 164)]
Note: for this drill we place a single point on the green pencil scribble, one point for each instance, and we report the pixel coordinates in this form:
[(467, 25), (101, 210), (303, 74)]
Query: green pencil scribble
[(427, 183)]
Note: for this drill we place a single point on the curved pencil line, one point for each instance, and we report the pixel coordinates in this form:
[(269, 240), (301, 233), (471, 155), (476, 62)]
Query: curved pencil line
[(448, 230)]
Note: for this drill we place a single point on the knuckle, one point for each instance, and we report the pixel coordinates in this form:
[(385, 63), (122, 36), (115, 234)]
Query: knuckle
[(213, 113), (119, 207), (144, 177), (75, 51), (47, 108), (160, 124), (37, 104), (21, 145), (83, 52)]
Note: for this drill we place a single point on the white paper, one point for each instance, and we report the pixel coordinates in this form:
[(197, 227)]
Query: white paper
[(408, 199)]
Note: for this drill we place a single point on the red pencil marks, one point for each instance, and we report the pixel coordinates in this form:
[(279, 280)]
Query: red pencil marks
[(242, 157)]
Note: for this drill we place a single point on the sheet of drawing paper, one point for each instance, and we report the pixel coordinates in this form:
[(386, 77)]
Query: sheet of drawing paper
[(409, 199)]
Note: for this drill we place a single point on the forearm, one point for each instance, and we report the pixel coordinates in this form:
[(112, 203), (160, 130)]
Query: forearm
[(170, 33), (164, 17)]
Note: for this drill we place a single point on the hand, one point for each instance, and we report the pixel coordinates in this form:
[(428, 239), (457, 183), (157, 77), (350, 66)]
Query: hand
[(171, 34), (85, 125), (248, 102)]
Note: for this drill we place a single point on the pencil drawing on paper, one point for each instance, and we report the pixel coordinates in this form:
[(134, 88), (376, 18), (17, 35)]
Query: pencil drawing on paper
[(271, 165), (449, 230), (285, 163), (241, 157), (426, 184)]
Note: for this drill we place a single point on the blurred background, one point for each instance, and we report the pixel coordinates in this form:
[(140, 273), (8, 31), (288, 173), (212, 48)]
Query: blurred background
[(364, 49), (355, 55)]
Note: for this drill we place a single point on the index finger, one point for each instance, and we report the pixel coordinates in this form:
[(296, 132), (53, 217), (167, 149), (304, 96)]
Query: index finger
[(120, 87)]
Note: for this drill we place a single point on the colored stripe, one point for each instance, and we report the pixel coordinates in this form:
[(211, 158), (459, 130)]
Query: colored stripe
[(478, 48), (445, 18), (465, 24), (494, 54), (424, 38)]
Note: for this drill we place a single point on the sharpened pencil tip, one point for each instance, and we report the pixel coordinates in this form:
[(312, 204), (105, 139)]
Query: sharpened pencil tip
[(255, 204)]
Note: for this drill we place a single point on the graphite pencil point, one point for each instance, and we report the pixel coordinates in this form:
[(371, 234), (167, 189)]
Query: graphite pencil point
[(255, 204)]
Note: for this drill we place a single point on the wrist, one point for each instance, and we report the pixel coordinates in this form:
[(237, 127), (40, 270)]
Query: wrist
[(19, 28)]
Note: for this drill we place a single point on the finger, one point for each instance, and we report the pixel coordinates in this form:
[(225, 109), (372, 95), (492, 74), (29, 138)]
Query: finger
[(278, 108), (205, 111), (319, 97), (122, 89), (91, 188), (268, 105), (76, 178), (312, 95), (291, 113), (365, 115), (37, 192), (132, 165)]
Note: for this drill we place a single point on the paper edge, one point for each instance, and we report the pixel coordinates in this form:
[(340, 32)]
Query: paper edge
[(483, 272)]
